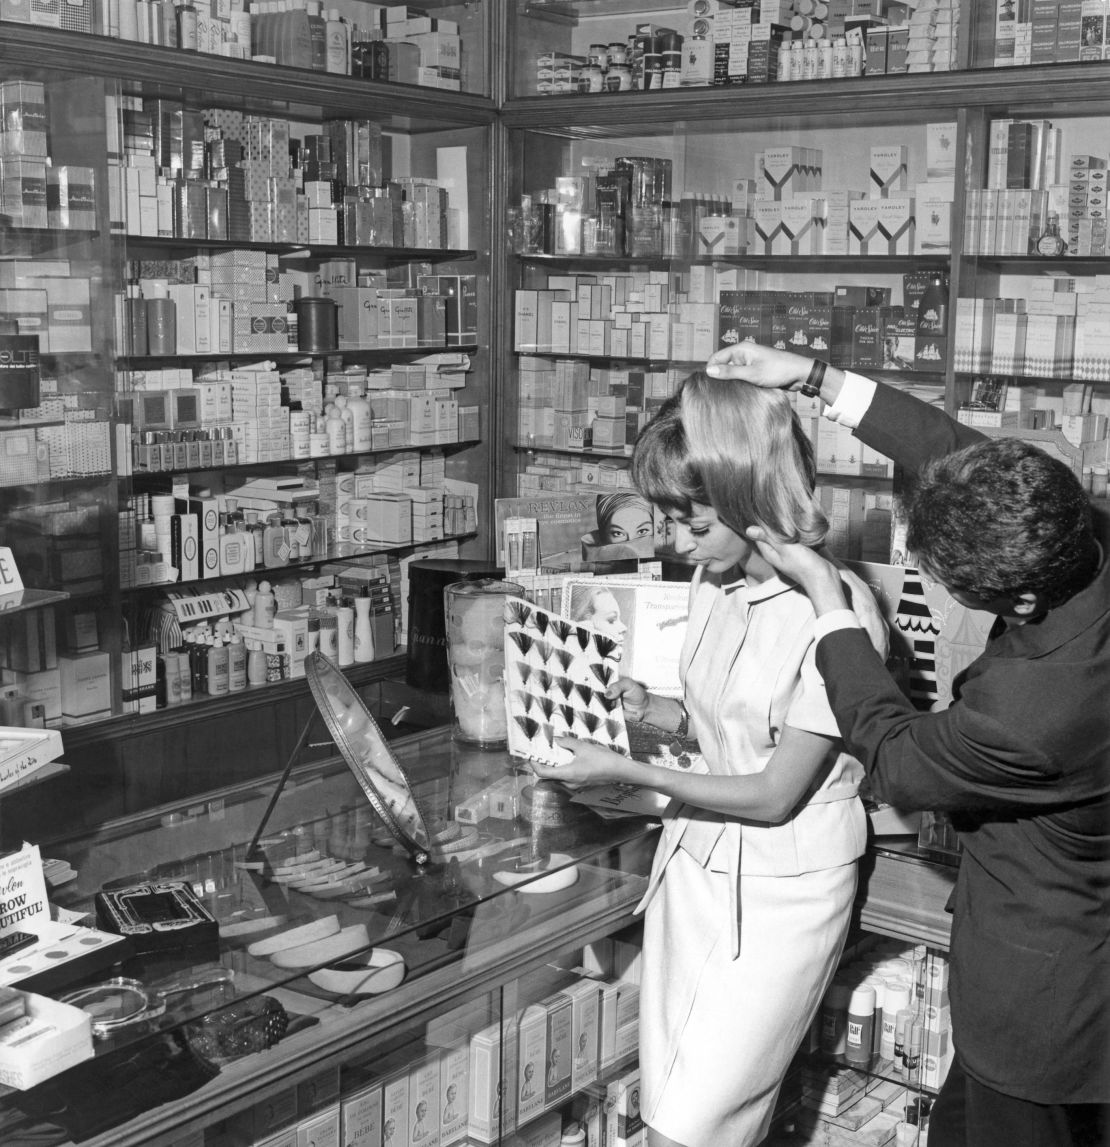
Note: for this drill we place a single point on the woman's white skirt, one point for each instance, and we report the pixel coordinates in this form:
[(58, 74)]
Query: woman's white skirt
[(717, 1034)]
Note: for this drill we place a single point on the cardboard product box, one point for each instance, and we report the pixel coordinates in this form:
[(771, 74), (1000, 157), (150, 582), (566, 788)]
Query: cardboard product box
[(531, 1062), (395, 1107), (32, 642), (361, 1118), (320, 1130), (867, 337), (560, 1050), (454, 1083), (585, 1000), (492, 1093), (802, 227), (64, 1039), (864, 236), (889, 170), (623, 1122), (86, 684), (767, 226), (424, 1115), (896, 226)]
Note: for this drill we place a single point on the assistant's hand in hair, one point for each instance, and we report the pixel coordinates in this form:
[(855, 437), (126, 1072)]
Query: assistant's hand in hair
[(760, 365), (590, 764), (634, 697), (804, 566)]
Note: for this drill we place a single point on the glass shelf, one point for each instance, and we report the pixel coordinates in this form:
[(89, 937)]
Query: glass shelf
[(30, 598), (150, 362), (335, 553), (138, 475), (302, 250)]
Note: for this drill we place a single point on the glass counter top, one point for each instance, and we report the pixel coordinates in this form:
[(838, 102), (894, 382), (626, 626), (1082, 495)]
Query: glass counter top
[(327, 914)]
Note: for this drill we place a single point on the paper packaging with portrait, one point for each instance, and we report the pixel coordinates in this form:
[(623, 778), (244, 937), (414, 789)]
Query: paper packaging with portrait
[(648, 618), (556, 674), (579, 530)]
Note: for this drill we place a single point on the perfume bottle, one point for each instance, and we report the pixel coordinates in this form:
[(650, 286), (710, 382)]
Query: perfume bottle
[(1051, 242)]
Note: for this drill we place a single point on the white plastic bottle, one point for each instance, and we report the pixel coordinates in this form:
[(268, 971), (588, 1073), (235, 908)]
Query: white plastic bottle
[(824, 59), (360, 421), (809, 60), (797, 60), (265, 606), (345, 649), (236, 665), (336, 431), (339, 44), (839, 58), (217, 668), (855, 58), (364, 635), (783, 73)]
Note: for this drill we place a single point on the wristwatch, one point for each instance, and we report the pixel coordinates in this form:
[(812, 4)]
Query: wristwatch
[(811, 388)]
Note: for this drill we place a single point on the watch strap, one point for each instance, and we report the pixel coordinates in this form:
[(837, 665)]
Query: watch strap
[(811, 388)]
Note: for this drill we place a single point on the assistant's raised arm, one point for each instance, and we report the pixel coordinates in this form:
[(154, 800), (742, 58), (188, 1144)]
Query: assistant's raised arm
[(775, 369)]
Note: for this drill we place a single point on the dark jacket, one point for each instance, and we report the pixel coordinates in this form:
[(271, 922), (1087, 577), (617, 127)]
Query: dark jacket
[(1022, 759)]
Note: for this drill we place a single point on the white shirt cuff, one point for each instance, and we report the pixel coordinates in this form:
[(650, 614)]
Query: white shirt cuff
[(833, 620), (852, 402)]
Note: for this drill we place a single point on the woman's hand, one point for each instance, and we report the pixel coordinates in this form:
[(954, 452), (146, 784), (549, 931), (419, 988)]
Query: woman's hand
[(634, 697), (806, 567), (759, 365), (590, 764)]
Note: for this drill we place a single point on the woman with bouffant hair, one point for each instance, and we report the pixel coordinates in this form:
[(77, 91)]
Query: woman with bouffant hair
[(750, 894)]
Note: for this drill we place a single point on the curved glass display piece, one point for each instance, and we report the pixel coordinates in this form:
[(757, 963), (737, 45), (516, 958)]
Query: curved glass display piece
[(364, 748)]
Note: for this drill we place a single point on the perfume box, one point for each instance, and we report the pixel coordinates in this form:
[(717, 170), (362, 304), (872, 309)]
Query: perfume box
[(889, 168), (896, 226)]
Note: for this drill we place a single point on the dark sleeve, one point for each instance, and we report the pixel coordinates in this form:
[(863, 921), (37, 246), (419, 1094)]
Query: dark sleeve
[(960, 758), (911, 431)]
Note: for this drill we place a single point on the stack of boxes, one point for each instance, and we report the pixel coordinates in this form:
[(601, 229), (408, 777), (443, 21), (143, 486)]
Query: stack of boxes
[(260, 423), (52, 677), (933, 36), (1049, 32), (24, 153), (436, 61)]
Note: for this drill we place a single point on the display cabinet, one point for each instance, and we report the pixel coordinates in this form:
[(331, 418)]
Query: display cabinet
[(207, 196), (695, 215), (501, 914)]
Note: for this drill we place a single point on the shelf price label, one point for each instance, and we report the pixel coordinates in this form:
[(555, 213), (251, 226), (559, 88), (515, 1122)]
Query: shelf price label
[(10, 581)]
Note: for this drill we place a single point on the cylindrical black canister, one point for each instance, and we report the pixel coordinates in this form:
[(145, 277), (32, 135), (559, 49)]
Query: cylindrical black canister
[(427, 630), (317, 324)]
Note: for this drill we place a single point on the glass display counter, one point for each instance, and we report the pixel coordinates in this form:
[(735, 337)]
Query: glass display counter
[(396, 963)]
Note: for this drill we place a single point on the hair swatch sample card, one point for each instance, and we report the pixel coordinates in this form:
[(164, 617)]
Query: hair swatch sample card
[(556, 674)]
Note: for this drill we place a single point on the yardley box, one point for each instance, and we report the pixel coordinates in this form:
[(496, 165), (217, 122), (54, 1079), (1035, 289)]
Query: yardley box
[(888, 170), (782, 171), (719, 235), (864, 236), (768, 226), (895, 226), (802, 229)]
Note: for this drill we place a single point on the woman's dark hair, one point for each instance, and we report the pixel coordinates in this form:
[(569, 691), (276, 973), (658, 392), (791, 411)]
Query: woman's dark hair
[(1001, 518)]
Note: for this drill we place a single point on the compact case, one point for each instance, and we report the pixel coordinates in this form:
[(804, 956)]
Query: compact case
[(157, 916)]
